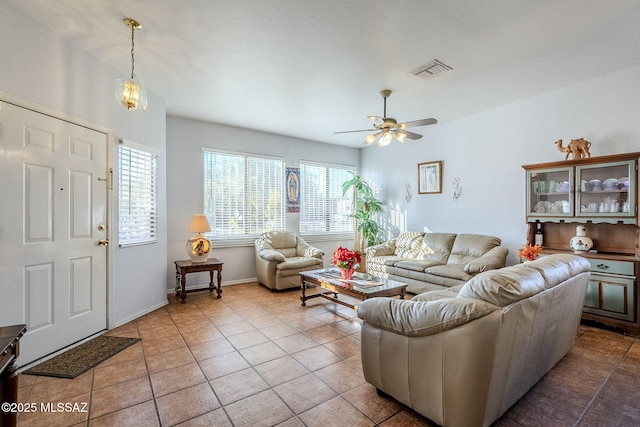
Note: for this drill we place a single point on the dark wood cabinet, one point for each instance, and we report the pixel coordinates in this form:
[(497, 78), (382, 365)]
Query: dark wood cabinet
[(562, 195), (9, 352)]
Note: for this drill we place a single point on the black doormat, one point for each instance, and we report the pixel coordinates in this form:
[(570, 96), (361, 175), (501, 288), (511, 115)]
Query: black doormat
[(80, 359)]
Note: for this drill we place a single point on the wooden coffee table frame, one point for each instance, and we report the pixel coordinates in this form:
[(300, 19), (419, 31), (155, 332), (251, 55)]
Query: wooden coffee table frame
[(329, 279)]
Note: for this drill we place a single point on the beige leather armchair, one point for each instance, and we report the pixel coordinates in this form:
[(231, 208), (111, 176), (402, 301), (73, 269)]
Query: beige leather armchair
[(281, 256)]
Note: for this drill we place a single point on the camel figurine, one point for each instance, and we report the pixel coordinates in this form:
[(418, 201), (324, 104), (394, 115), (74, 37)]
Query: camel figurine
[(579, 148)]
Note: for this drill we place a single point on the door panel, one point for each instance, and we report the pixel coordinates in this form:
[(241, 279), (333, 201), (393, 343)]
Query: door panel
[(54, 198), (80, 221), (39, 296), (38, 200), (81, 285)]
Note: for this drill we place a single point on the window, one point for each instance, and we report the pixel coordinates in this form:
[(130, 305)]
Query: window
[(138, 201), (323, 208), (243, 194)]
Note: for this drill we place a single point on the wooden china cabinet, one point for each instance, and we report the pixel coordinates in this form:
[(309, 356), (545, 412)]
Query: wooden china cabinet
[(600, 193)]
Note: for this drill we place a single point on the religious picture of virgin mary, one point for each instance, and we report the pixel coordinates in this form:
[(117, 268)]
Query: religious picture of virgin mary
[(293, 189)]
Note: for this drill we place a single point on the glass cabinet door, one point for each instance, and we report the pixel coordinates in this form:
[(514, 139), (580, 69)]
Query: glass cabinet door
[(550, 193), (606, 190)]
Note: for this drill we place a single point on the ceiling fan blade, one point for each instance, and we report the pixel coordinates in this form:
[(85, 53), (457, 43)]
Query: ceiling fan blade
[(417, 123), (410, 135), (377, 121), (352, 131)]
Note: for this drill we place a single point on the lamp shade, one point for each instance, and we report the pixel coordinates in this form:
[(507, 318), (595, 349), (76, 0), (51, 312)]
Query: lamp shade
[(199, 224), (370, 138), (131, 93)]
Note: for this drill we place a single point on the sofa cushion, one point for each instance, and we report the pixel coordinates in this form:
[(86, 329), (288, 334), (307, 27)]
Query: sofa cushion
[(280, 240), (391, 260), (435, 295), (298, 262), (504, 286), (453, 271), (510, 284), (405, 273), (271, 255), (481, 264), (559, 268), (467, 247), (415, 265), (408, 244), (436, 247), (422, 318)]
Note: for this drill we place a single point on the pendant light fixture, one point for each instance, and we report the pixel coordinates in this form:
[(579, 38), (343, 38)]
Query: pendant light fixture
[(131, 92)]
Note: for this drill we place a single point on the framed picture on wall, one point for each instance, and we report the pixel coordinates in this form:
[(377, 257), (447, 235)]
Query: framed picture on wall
[(293, 189), (430, 177)]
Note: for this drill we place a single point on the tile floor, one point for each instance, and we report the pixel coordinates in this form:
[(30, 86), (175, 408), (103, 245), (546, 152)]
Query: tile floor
[(257, 358)]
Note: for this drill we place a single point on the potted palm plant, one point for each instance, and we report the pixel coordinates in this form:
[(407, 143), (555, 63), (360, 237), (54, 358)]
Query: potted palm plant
[(365, 207)]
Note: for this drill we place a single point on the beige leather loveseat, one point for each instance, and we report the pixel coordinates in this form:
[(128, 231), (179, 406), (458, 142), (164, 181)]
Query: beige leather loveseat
[(281, 256), (463, 356), (430, 261)]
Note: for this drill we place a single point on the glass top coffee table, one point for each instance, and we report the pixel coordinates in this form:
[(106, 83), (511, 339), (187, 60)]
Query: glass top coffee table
[(363, 286)]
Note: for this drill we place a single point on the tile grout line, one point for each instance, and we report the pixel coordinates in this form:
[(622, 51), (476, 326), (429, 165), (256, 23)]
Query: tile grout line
[(602, 386), (206, 379)]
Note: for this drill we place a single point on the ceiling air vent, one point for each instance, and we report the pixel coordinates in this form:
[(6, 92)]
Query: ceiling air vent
[(430, 70)]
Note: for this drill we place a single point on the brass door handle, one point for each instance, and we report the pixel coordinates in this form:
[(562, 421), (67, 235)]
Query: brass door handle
[(103, 242)]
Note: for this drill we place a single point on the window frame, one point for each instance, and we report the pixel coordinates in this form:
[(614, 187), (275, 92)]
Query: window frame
[(145, 173), (246, 239), (327, 235)]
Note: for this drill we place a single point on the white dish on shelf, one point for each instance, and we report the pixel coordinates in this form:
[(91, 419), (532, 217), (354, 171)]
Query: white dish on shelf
[(624, 181), (596, 185), (610, 184)]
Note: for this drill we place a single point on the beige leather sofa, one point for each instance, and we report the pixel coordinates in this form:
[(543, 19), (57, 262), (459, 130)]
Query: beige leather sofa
[(431, 261), (281, 256), (463, 356)]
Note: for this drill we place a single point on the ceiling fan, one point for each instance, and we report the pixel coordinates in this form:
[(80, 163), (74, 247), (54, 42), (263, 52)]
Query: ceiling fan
[(387, 128)]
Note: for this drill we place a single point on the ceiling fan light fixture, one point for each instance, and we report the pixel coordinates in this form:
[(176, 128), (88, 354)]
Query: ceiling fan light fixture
[(131, 93), (385, 139), (386, 129)]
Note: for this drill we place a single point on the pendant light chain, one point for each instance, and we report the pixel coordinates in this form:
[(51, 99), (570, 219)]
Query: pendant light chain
[(132, 45)]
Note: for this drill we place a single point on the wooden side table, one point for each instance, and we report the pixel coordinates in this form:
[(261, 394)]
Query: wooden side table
[(9, 352), (185, 267)]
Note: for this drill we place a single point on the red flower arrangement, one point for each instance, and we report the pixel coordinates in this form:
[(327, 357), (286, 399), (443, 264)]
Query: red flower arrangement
[(530, 252), (346, 259)]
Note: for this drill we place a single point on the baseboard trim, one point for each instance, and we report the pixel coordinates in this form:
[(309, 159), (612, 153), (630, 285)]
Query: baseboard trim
[(172, 291), (140, 314)]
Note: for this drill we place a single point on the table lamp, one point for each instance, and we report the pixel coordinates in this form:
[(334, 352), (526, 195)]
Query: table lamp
[(198, 247)]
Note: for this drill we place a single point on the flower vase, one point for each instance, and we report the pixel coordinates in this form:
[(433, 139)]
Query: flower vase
[(347, 274)]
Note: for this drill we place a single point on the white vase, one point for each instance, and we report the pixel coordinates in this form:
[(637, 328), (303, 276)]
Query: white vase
[(580, 243)]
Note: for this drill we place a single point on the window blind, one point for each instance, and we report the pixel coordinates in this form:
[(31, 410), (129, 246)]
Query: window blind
[(243, 194), (323, 208), (137, 199)]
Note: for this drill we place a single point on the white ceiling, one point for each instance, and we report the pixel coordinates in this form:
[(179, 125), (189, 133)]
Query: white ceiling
[(308, 68)]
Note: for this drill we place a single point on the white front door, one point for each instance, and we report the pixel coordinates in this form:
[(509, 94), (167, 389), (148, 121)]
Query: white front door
[(53, 213)]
